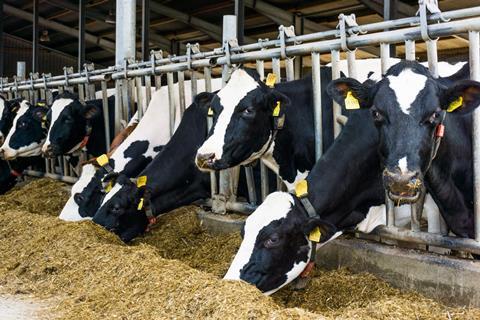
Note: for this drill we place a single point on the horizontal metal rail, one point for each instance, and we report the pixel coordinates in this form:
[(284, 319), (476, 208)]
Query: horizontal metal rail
[(54, 176)]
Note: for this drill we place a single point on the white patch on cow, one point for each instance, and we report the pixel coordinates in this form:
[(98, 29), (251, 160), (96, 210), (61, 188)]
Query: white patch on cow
[(402, 164), (2, 108), (406, 86), (70, 210), (239, 85), (31, 150), (275, 207), (56, 110), (111, 193)]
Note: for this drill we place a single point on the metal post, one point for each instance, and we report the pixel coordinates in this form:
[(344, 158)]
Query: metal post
[(432, 57), (298, 60), (21, 70), (276, 69), (81, 34), (2, 44), (106, 114), (263, 168), (148, 90), (35, 37), (207, 75), (181, 91), (389, 13), (474, 53), (171, 102), (410, 50), (240, 14), (317, 104), (352, 65), (390, 210), (193, 83), (145, 29), (290, 69), (140, 100), (384, 57), (337, 109)]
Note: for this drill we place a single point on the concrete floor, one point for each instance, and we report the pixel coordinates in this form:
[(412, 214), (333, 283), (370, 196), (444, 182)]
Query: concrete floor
[(19, 308)]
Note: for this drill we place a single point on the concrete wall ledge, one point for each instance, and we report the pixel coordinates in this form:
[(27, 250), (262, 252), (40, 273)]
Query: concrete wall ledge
[(453, 281)]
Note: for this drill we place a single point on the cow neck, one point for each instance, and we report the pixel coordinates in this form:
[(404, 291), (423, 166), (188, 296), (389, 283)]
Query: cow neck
[(94, 140)]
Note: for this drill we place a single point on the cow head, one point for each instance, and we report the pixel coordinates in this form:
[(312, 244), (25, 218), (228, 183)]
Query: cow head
[(275, 248), (90, 198), (243, 122), (69, 119), (407, 106), (119, 210), (28, 132), (8, 110)]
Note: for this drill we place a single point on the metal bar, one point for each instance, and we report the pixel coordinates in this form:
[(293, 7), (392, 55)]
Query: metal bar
[(410, 50), (2, 43), (81, 34), (474, 59), (276, 69), (171, 102), (181, 91), (54, 176), (207, 75), (352, 64), (432, 57), (148, 90), (118, 106), (432, 239), (384, 57), (140, 100), (106, 117), (81, 93), (317, 104), (193, 83), (290, 69), (240, 14), (337, 109), (390, 210), (145, 29), (35, 37)]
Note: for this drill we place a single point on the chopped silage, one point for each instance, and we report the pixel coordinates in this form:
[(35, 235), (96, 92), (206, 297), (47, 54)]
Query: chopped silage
[(173, 272)]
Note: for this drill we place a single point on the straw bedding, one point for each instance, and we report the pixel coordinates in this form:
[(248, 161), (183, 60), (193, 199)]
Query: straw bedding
[(85, 272)]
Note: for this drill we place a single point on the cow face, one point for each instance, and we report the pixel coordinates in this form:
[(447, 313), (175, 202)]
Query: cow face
[(89, 199), (407, 105), (8, 110), (243, 122), (119, 210), (27, 134), (275, 247), (68, 123)]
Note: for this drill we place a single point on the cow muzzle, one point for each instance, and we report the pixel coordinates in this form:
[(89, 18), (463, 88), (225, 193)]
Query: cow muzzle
[(205, 161), (402, 187), (50, 151)]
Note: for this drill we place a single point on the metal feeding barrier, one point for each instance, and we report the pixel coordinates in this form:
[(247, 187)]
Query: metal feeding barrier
[(131, 77)]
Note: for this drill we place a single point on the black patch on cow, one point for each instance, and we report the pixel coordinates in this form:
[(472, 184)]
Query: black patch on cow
[(28, 128)]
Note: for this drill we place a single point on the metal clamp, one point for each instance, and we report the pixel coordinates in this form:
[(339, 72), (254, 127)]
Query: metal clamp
[(33, 76), (192, 48), (67, 71), (262, 42), (227, 45), (15, 81), (155, 55), (285, 32), (44, 77), (343, 22), (423, 6), (88, 67)]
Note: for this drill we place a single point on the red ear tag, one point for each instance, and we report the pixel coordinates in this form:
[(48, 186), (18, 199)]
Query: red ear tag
[(308, 269), (440, 131)]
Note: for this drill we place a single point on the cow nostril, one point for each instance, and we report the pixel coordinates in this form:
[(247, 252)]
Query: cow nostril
[(205, 159), (78, 198)]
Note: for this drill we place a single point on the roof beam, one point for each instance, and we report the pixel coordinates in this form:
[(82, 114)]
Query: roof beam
[(25, 15)]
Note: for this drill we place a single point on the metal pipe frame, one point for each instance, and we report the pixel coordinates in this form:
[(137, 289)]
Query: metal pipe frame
[(81, 34), (35, 37)]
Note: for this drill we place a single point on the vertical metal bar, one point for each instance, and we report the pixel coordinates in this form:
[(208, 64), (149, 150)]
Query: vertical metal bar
[(140, 100), (21, 70), (2, 44), (193, 83), (118, 106), (240, 14), (352, 65), (35, 37), (207, 75), (384, 57), (81, 34), (145, 29), (410, 50), (81, 93), (414, 217), (158, 82), (432, 57), (252, 195), (181, 91), (276, 69), (171, 102), (474, 58), (148, 89), (298, 60), (337, 109), (390, 13), (290, 69), (390, 210), (263, 168), (106, 117), (317, 104)]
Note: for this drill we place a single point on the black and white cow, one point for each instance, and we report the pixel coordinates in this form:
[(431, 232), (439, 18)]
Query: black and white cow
[(8, 110), (411, 110), (132, 156), (28, 132), (74, 125)]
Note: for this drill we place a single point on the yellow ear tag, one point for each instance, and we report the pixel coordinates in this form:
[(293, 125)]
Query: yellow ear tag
[(44, 118), (455, 104), (210, 112), (315, 235), (140, 204), (108, 188), (141, 181), (102, 160), (301, 188), (271, 79), (41, 104), (351, 103), (276, 110)]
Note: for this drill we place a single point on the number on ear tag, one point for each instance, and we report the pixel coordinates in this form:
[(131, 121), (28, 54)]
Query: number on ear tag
[(140, 204), (315, 235), (141, 181), (351, 103), (271, 79), (301, 188), (455, 104), (102, 160), (276, 110), (210, 112)]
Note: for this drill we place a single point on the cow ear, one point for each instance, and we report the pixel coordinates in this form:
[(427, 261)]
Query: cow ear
[(203, 99), (462, 98), (350, 93), (275, 98), (91, 111), (40, 114), (327, 230)]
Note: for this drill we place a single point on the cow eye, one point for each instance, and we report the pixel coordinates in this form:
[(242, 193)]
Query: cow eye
[(248, 111), (22, 124), (377, 116), (434, 117), (272, 242)]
